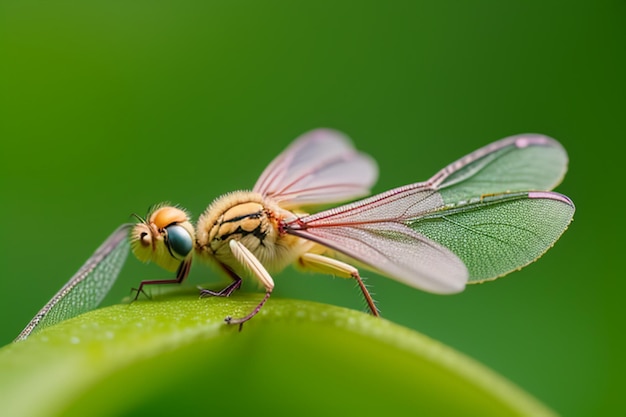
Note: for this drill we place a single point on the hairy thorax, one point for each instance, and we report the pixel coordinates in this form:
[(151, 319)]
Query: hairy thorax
[(254, 221)]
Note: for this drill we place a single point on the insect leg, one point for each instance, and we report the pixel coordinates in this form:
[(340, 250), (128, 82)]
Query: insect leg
[(326, 265), (226, 291), (247, 259), (181, 274)]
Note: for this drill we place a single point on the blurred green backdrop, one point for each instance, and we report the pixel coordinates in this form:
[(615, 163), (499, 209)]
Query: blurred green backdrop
[(108, 107)]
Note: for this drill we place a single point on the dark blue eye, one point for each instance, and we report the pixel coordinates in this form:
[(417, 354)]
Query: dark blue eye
[(178, 240)]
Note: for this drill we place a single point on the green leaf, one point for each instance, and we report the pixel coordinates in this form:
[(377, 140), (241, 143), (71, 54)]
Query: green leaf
[(174, 355)]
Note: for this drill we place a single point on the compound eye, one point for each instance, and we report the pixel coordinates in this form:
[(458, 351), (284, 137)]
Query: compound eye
[(179, 240)]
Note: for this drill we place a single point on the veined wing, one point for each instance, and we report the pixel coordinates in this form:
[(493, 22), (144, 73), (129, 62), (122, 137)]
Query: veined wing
[(467, 207), (320, 167), (527, 162), (375, 232), (88, 287), (497, 234), (394, 250), (478, 240)]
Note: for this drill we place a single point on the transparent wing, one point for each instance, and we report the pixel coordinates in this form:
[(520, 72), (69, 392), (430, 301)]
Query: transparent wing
[(88, 287), (479, 240), (396, 251), (320, 167), (518, 163), (476, 207), (497, 234)]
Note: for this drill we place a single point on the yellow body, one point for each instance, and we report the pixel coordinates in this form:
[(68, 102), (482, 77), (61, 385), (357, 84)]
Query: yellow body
[(252, 220), (244, 216)]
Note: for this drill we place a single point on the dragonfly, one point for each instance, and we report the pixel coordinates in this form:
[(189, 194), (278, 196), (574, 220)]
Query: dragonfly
[(481, 217)]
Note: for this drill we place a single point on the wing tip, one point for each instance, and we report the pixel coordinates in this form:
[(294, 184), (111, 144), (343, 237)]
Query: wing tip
[(552, 196), (322, 133), (525, 140), (451, 287)]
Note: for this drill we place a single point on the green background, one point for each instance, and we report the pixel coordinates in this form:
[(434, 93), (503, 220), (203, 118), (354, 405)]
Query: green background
[(109, 107)]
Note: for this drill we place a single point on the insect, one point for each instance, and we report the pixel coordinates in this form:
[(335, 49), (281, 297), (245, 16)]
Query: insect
[(485, 215)]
